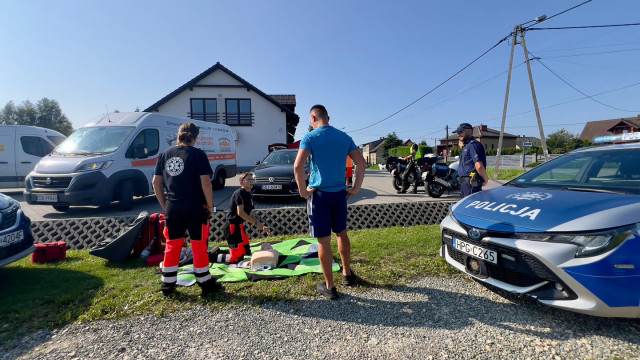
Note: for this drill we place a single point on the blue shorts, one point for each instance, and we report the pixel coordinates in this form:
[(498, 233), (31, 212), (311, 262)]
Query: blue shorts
[(327, 211)]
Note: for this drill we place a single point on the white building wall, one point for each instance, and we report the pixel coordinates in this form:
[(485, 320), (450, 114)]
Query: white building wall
[(269, 122)]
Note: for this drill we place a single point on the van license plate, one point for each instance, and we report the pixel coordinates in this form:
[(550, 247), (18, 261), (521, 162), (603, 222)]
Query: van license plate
[(475, 251), (271, 187), (11, 238), (47, 198)]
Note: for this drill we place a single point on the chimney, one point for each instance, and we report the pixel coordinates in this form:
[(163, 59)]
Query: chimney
[(483, 127)]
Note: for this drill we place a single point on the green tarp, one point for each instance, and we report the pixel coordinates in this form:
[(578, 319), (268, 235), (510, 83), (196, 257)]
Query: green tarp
[(297, 257)]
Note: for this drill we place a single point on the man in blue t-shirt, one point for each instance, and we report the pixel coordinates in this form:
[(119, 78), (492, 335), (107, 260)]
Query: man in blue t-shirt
[(327, 193), (473, 162)]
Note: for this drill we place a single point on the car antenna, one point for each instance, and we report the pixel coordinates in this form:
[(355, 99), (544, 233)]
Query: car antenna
[(108, 118)]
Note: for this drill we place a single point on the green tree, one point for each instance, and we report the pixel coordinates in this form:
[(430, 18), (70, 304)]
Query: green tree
[(391, 141), (423, 142), (559, 140), (45, 113)]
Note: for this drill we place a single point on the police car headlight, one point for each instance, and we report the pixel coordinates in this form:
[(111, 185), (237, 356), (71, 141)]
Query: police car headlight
[(100, 165), (588, 244), (595, 244)]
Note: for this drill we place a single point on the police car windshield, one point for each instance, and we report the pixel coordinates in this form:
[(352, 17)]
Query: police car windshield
[(607, 170), (94, 140)]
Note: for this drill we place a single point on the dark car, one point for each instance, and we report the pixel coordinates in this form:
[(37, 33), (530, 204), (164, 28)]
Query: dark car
[(16, 240), (274, 175)]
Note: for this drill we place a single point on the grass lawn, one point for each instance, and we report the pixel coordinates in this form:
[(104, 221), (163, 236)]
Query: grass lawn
[(505, 174), (87, 288)]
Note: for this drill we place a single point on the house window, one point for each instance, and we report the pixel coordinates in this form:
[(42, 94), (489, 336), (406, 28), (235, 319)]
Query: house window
[(204, 109), (239, 112)]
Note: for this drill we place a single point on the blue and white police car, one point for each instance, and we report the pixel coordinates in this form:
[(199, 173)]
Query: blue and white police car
[(566, 233)]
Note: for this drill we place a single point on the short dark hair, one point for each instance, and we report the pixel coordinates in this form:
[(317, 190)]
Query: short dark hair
[(320, 111), (188, 132)]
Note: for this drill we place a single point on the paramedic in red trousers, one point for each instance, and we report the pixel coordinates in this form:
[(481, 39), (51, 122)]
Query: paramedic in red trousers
[(185, 171), (240, 208), (473, 162), (327, 194)]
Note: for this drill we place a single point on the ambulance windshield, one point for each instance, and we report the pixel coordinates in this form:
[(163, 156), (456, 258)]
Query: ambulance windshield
[(605, 170), (94, 140)]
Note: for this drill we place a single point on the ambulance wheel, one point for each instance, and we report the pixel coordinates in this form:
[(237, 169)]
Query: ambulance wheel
[(126, 195), (218, 182), (61, 208), (435, 190)]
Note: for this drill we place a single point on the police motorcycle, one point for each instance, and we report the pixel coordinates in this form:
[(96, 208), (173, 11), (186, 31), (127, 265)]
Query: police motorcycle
[(435, 176), (438, 176), (398, 166)]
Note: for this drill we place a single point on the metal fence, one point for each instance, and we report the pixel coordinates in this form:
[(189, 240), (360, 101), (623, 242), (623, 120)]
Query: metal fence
[(84, 233)]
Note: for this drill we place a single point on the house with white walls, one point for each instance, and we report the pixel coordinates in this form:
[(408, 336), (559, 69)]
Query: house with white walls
[(218, 95)]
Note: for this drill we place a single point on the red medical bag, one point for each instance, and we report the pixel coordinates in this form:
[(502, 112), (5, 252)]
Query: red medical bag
[(48, 252)]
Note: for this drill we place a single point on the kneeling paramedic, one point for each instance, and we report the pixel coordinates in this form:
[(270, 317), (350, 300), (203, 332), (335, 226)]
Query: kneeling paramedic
[(185, 171), (240, 210), (473, 162)]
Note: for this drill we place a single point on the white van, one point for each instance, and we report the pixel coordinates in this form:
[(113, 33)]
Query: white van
[(113, 159), (21, 147)]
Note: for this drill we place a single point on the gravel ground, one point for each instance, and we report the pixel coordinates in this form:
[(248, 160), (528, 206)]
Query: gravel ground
[(434, 318)]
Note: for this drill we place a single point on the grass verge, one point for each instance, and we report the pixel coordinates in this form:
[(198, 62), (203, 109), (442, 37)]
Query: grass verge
[(87, 288), (505, 174)]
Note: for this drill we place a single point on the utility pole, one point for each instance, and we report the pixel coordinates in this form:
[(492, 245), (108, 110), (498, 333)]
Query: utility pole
[(447, 153), (518, 29), (535, 100), (506, 102)]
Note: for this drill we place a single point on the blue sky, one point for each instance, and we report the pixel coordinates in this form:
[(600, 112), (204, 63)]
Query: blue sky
[(364, 60)]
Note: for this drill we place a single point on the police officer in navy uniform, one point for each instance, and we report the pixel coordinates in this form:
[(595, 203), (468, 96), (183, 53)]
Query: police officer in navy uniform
[(411, 167), (473, 162)]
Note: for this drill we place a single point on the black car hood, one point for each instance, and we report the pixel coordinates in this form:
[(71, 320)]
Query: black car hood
[(264, 170)]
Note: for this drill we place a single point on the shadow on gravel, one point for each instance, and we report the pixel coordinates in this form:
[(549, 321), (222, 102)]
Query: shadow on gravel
[(451, 310)]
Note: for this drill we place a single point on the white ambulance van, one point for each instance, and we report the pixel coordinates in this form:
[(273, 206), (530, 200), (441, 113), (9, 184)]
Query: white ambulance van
[(21, 147), (113, 158)]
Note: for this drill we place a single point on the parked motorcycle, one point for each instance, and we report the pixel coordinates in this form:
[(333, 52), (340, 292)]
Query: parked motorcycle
[(440, 177), (435, 176), (398, 167)]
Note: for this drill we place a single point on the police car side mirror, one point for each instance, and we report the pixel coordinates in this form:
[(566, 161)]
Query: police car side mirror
[(257, 163)]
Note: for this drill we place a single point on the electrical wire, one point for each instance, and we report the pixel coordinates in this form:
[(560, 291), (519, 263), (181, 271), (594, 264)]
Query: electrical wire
[(576, 89), (566, 102), (594, 53), (435, 88), (585, 27), (552, 16)]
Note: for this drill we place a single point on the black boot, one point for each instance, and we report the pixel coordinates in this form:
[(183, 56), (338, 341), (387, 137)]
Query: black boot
[(168, 289), (209, 287)]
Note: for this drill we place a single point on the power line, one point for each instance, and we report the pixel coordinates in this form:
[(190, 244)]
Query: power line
[(576, 89), (594, 53), (435, 88), (560, 13), (585, 27), (566, 102)]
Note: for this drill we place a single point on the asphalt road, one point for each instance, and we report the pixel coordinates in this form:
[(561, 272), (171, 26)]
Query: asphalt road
[(377, 188)]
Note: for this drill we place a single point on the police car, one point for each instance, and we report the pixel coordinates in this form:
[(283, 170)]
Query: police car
[(566, 233)]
